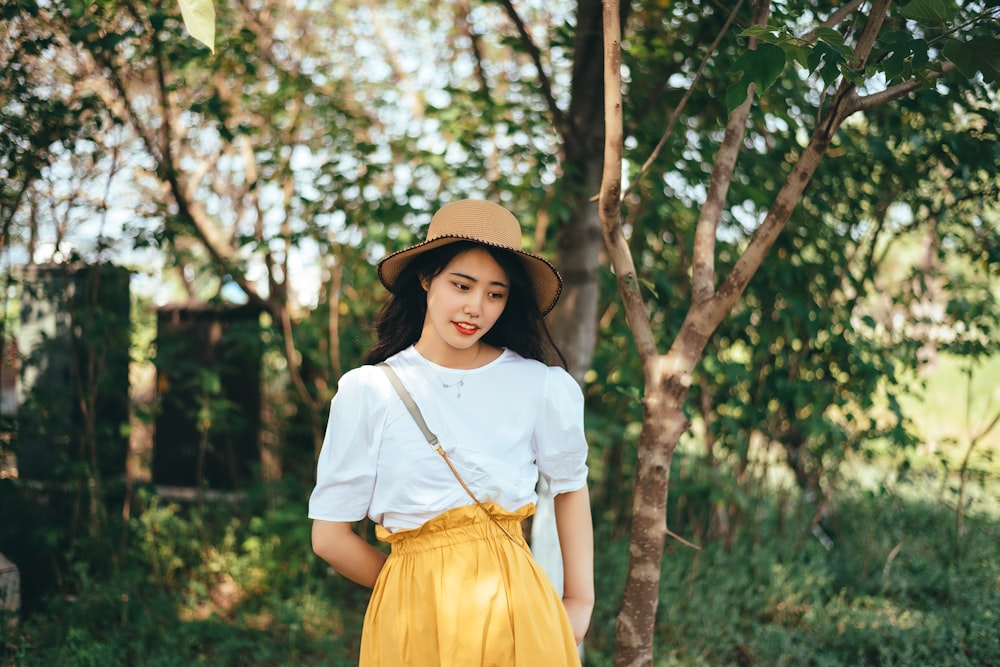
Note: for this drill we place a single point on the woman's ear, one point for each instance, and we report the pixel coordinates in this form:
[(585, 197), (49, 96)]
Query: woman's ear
[(425, 282)]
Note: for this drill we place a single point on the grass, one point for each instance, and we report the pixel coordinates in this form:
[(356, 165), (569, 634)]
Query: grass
[(898, 587), (957, 402), (192, 588), (175, 586)]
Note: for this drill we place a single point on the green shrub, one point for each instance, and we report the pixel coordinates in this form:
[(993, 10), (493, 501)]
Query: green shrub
[(238, 584)]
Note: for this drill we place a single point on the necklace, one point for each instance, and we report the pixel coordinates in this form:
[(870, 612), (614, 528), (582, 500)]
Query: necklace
[(458, 384)]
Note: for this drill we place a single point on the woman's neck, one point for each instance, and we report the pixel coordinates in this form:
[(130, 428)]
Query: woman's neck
[(450, 357)]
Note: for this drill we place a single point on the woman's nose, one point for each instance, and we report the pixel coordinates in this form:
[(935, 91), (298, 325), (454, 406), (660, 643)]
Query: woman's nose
[(474, 304)]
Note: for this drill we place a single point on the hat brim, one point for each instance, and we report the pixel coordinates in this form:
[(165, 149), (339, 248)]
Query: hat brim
[(545, 280)]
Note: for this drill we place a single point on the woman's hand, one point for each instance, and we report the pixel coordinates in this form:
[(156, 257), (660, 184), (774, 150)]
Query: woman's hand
[(579, 612)]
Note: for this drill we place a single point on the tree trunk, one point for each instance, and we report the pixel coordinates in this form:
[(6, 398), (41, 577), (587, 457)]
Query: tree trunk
[(668, 377), (928, 309), (574, 320), (573, 323)]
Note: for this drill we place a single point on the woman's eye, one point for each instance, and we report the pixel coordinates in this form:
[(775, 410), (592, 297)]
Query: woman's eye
[(460, 286)]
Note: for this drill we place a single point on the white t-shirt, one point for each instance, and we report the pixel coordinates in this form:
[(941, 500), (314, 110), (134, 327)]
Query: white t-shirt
[(515, 418)]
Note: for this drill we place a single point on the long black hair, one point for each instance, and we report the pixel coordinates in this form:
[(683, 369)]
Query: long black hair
[(520, 326)]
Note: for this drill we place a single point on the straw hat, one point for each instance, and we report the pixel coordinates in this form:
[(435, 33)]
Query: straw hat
[(482, 222)]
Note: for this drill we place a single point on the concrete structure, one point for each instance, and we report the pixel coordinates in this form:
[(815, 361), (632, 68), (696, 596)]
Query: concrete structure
[(10, 586), (74, 358), (208, 379)]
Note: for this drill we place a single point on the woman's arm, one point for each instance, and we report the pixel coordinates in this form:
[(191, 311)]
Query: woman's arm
[(576, 541), (346, 552)]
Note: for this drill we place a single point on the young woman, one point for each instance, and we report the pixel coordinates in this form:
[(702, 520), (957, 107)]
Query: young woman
[(462, 333)]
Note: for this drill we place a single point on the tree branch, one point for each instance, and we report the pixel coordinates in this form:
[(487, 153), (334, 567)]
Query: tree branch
[(294, 361), (544, 84), (610, 196), (403, 79), (869, 34), (477, 45), (683, 102), (683, 541), (703, 266), (834, 19), (333, 299), (777, 216), (985, 431), (865, 102), (189, 208)]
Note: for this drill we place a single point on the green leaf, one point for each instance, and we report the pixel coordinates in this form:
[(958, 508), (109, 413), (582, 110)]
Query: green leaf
[(895, 40), (919, 52), (826, 60), (906, 54), (795, 53), (760, 32), (768, 63), (649, 285), (199, 17), (977, 55), (894, 65), (926, 12), (988, 51), (736, 94), (761, 66), (830, 36)]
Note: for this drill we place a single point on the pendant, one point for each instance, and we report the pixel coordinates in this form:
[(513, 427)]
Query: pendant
[(459, 384)]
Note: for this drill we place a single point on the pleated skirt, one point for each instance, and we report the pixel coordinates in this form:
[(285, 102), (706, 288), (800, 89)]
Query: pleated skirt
[(459, 592)]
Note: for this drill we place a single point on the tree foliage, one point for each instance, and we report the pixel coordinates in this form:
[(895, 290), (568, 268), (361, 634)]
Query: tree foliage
[(779, 158), (873, 68)]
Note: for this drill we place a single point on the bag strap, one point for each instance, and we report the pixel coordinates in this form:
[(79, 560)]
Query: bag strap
[(432, 440), (411, 405)]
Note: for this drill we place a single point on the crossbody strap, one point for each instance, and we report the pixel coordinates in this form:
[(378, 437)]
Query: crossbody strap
[(411, 405), (432, 440)]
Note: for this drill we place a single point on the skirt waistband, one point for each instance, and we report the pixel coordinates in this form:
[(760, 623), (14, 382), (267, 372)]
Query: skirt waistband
[(454, 526)]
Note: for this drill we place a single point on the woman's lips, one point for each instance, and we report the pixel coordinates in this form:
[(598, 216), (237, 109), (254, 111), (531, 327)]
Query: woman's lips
[(465, 329)]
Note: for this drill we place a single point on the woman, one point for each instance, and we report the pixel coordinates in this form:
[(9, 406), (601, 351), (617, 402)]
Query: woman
[(462, 332)]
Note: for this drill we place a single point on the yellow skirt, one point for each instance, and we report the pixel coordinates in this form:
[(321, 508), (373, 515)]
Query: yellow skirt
[(457, 591)]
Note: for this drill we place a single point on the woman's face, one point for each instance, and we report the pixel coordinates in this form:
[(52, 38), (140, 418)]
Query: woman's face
[(464, 301)]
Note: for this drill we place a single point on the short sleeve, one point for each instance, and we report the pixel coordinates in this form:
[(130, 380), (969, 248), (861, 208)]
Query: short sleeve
[(559, 440), (345, 470)]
